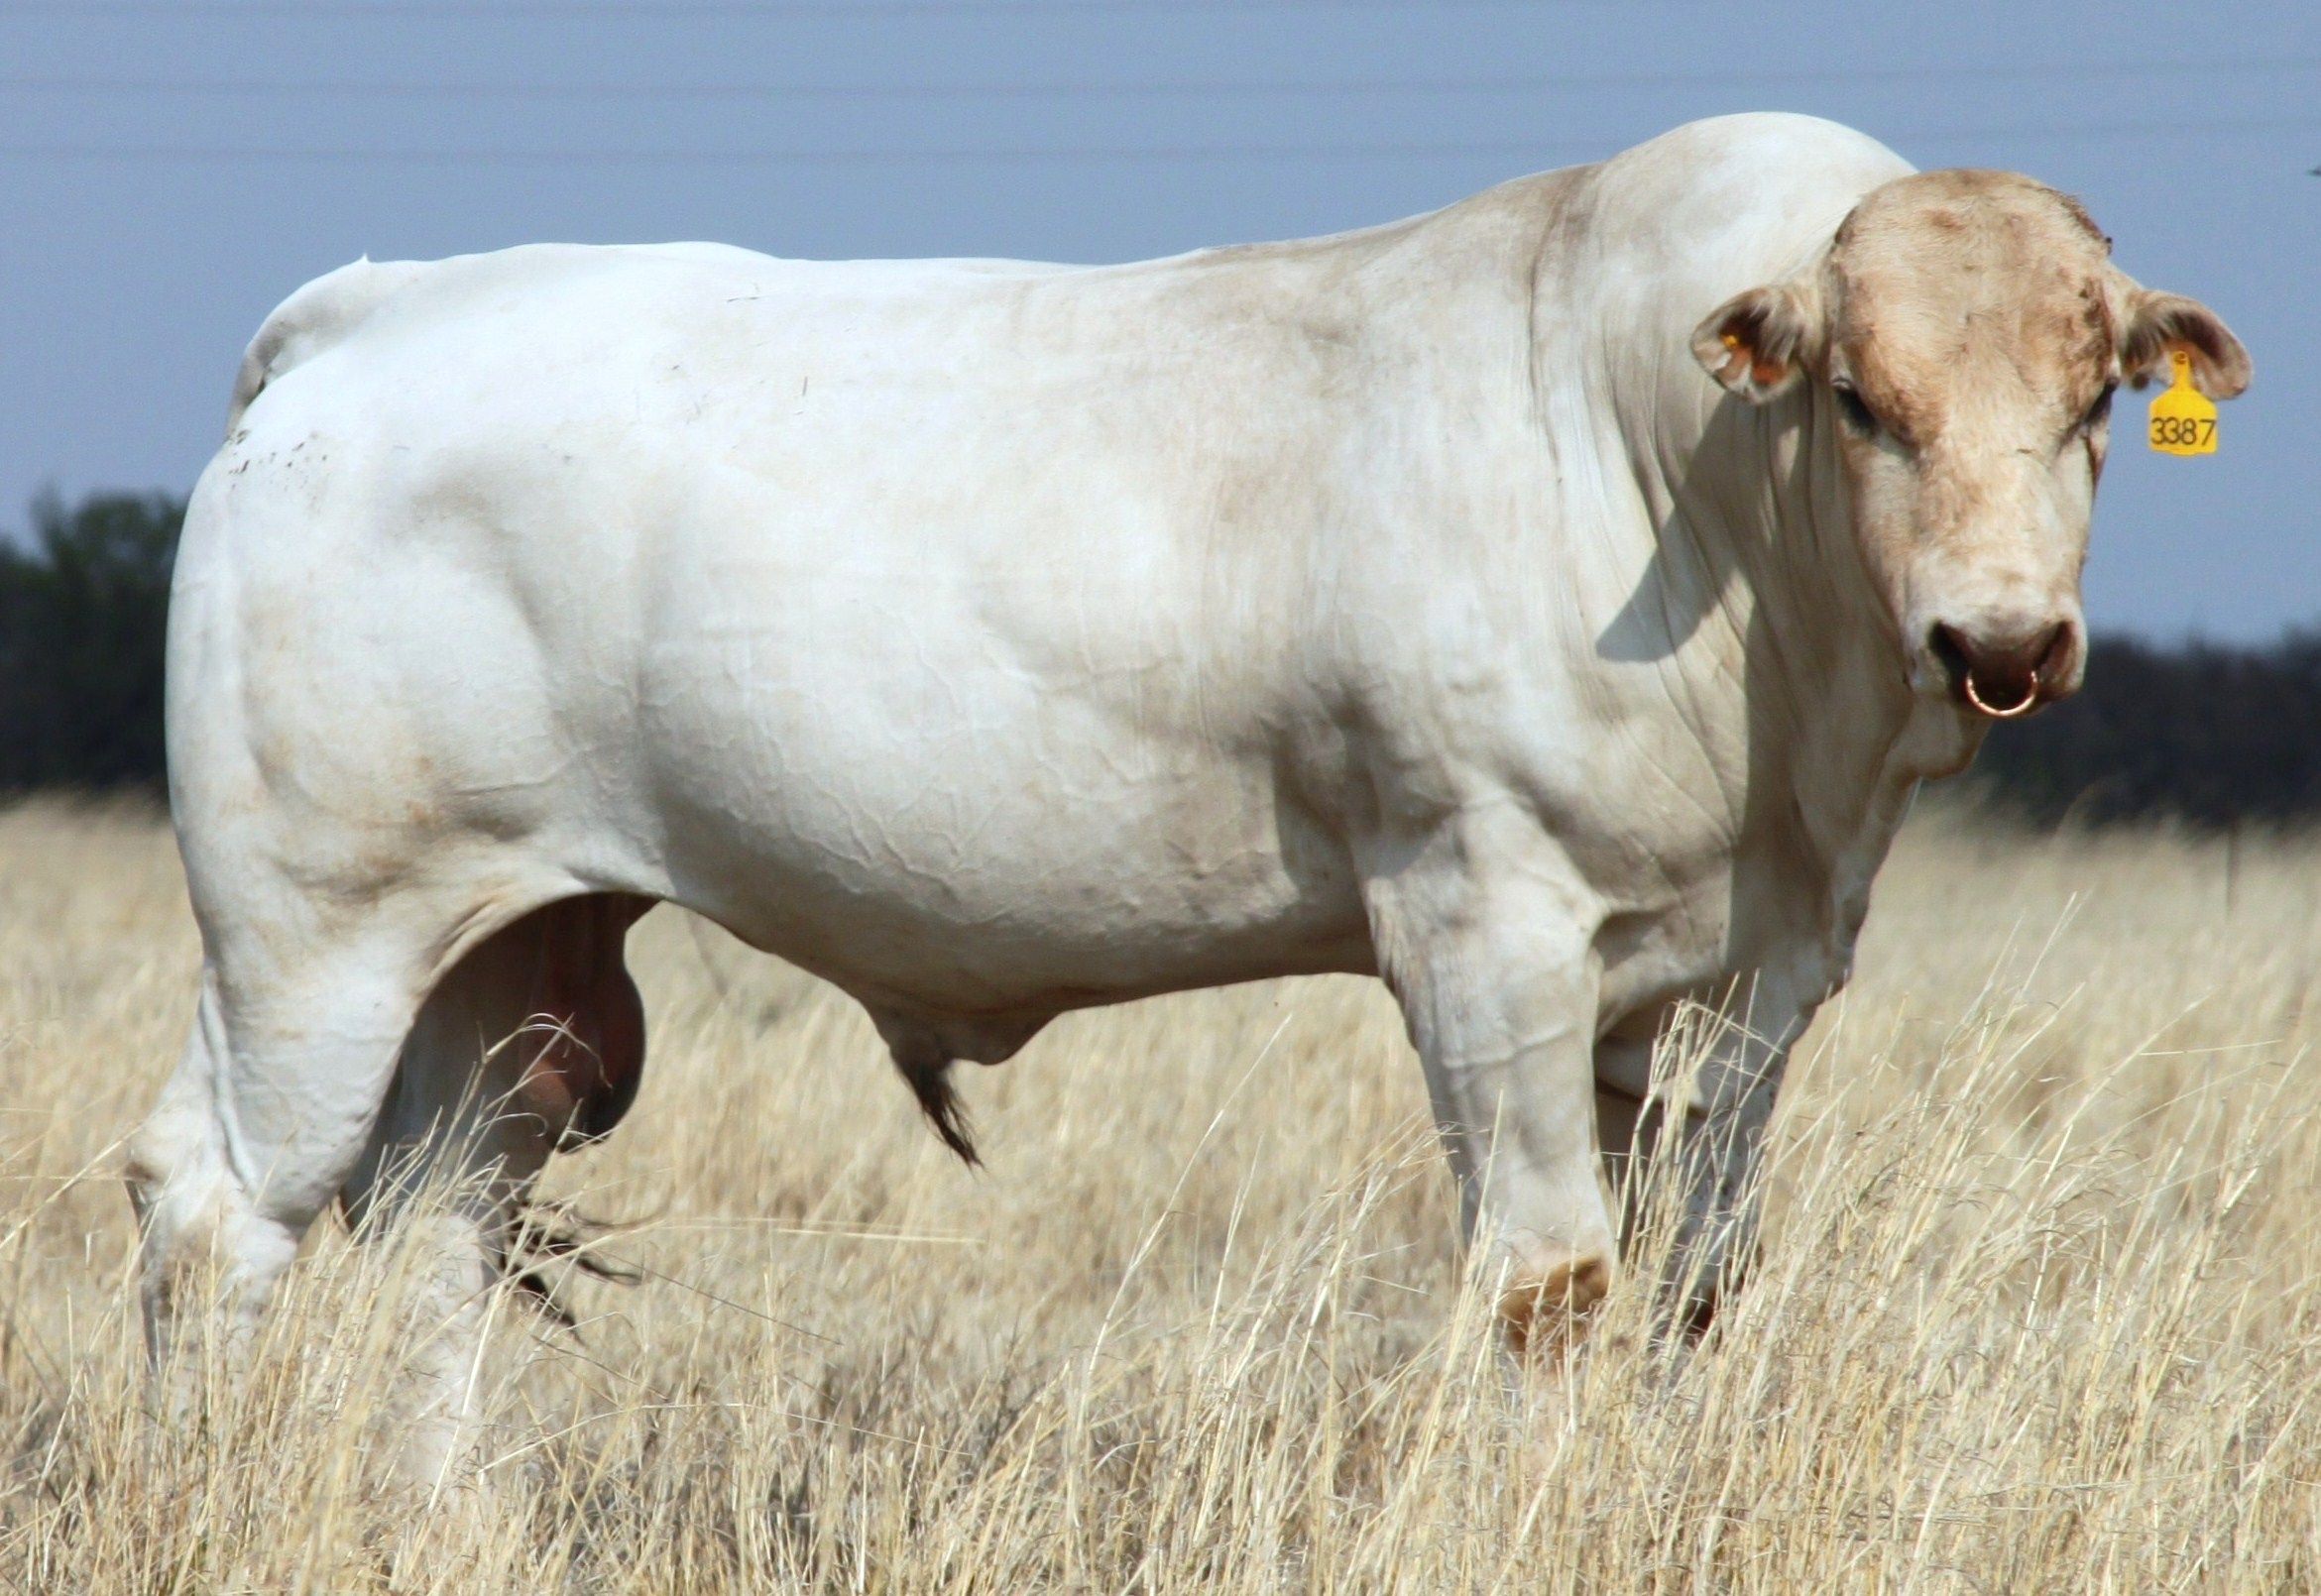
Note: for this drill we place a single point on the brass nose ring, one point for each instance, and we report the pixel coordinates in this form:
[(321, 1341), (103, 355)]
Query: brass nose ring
[(2030, 698)]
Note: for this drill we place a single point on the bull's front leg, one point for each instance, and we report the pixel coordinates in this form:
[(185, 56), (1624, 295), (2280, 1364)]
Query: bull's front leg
[(1684, 1124), (1486, 942)]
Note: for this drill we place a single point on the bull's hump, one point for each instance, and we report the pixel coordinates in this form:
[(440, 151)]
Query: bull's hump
[(1735, 179)]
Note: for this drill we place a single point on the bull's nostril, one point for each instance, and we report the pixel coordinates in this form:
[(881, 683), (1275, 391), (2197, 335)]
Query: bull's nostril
[(2055, 659), (1950, 648)]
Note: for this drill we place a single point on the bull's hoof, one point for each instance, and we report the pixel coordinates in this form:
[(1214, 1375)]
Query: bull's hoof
[(1542, 1315)]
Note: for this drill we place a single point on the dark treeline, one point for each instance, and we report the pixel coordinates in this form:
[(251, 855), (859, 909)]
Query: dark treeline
[(2199, 735), (81, 609), (2203, 735)]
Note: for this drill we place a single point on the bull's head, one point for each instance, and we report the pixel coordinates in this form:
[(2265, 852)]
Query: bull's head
[(1964, 332)]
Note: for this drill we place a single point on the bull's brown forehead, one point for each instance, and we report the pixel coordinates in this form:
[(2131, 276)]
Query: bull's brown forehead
[(1954, 199), (1946, 277)]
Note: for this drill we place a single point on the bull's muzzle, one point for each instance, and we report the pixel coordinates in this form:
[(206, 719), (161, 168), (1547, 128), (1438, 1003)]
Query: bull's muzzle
[(2007, 673)]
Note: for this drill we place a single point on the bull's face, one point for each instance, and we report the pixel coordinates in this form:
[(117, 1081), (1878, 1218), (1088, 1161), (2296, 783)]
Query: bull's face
[(1962, 337)]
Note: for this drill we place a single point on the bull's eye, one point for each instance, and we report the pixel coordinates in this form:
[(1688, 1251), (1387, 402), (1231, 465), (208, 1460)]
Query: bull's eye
[(2101, 410), (1856, 411)]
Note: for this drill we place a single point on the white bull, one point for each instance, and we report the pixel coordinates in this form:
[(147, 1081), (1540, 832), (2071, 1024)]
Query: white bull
[(1547, 605)]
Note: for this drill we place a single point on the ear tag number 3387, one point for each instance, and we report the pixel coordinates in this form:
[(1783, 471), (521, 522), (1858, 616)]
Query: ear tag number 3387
[(2183, 420)]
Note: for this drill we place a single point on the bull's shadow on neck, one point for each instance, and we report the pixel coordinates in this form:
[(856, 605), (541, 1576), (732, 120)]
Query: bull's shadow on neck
[(1753, 542), (1719, 529)]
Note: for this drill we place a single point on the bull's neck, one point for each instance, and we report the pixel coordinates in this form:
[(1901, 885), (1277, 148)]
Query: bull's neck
[(1809, 672)]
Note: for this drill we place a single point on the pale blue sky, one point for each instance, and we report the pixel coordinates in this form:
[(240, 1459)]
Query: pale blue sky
[(169, 170)]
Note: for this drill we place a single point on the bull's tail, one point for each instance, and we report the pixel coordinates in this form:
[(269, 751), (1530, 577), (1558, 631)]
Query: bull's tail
[(312, 320)]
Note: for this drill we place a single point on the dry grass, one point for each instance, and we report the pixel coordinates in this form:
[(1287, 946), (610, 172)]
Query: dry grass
[(2035, 1312)]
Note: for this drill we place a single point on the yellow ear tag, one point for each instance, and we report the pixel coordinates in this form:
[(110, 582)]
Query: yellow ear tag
[(2183, 420)]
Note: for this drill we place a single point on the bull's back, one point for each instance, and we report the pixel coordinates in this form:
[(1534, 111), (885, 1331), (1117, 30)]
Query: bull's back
[(875, 610)]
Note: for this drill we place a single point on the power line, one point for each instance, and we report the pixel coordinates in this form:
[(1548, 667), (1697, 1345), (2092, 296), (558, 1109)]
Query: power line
[(1162, 88), (319, 155), (769, 10), (1521, 149)]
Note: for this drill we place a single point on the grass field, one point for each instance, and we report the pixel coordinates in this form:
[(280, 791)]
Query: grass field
[(2037, 1312)]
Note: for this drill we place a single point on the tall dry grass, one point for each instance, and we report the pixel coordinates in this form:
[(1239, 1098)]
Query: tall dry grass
[(2037, 1309)]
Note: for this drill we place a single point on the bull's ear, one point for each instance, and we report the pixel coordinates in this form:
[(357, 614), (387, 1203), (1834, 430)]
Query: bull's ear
[(1757, 343), (2155, 322)]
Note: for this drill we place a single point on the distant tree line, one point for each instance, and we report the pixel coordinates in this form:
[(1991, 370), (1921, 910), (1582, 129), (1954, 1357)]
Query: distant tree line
[(2200, 735), (81, 611)]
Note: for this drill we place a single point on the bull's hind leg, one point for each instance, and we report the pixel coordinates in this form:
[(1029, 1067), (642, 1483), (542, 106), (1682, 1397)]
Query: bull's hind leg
[(322, 1065), (532, 1042), (292, 1044)]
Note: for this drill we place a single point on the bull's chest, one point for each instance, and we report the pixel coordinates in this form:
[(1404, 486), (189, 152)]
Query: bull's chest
[(1768, 922)]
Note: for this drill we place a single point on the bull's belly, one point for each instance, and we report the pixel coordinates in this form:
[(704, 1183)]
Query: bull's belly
[(992, 864), (919, 926)]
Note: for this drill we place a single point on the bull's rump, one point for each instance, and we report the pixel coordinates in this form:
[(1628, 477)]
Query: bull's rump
[(921, 628)]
